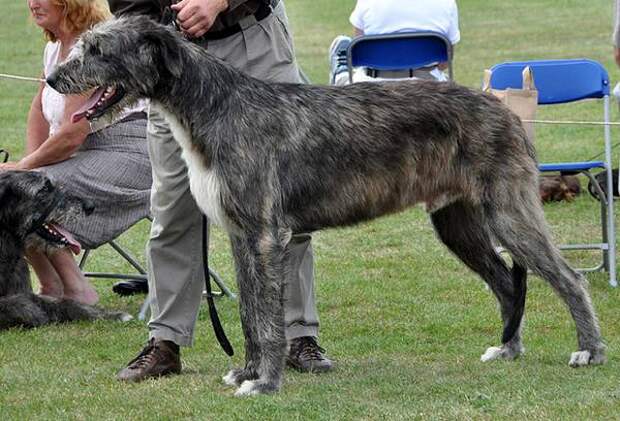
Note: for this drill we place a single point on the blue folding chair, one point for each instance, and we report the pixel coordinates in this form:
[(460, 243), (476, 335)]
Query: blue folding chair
[(399, 51), (561, 82)]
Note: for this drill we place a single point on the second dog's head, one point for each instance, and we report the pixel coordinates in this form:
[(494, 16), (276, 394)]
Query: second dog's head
[(123, 60), (33, 210)]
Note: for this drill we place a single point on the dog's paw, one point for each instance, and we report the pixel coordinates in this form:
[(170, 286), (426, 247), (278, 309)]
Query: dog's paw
[(491, 354), (230, 378), (247, 388), (583, 358), (237, 376), (255, 387), (125, 317), (504, 352), (579, 358)]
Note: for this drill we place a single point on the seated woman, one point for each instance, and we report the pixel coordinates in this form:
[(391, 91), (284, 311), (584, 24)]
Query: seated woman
[(108, 165), (374, 17)]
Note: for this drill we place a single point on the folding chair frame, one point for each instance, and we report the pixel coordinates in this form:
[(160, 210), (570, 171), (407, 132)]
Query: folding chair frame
[(608, 244)]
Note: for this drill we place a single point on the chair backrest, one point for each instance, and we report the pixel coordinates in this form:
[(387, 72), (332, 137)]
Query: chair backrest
[(399, 51), (557, 81)]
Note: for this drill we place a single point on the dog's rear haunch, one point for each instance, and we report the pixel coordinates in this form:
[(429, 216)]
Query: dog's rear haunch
[(268, 160), (32, 209)]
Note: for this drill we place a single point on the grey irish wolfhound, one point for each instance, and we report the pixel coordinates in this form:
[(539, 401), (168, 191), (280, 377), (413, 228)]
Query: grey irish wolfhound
[(32, 210), (267, 160)]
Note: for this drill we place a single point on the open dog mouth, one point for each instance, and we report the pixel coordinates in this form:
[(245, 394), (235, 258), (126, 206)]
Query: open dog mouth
[(98, 103), (57, 235)]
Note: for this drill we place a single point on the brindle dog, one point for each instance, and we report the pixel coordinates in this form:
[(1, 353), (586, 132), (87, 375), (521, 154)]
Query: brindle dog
[(32, 210), (269, 160)]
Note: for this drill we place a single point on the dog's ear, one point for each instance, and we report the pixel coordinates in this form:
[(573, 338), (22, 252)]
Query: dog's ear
[(171, 57), (166, 45)]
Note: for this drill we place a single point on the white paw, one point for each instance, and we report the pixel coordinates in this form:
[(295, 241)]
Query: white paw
[(580, 358), (247, 388), (229, 378), (126, 317), (491, 354)]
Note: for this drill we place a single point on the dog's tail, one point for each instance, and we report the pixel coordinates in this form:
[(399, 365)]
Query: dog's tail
[(519, 282)]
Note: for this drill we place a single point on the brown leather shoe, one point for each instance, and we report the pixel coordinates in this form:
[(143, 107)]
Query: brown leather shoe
[(158, 358), (306, 355)]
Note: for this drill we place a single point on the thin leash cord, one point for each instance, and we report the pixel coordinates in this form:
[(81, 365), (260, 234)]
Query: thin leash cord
[(23, 78), (215, 320)]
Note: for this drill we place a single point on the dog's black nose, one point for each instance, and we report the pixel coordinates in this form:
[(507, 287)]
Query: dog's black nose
[(88, 207), (51, 80)]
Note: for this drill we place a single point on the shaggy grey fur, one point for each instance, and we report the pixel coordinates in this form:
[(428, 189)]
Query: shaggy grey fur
[(27, 201), (268, 160)]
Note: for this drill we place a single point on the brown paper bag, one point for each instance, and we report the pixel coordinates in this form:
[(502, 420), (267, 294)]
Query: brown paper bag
[(522, 102)]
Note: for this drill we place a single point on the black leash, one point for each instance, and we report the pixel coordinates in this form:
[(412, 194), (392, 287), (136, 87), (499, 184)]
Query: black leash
[(215, 320), (6, 155)]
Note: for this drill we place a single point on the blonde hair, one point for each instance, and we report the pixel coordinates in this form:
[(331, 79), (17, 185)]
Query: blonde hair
[(80, 15)]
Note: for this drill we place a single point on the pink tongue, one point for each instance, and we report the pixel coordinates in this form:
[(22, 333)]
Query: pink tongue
[(74, 245), (94, 98)]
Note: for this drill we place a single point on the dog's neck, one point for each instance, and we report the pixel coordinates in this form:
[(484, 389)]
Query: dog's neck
[(14, 277), (213, 90)]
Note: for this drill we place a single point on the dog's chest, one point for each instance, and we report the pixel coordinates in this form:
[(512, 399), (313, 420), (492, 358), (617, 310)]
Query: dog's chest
[(203, 181)]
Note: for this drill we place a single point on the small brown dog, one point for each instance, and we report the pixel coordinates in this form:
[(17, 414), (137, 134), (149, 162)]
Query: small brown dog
[(555, 188)]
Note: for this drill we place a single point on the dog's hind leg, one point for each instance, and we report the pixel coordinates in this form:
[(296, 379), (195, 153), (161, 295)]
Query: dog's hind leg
[(521, 228), (259, 258), (461, 228)]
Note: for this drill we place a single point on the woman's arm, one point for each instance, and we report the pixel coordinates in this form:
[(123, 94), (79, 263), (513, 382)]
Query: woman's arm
[(66, 141), (37, 128)]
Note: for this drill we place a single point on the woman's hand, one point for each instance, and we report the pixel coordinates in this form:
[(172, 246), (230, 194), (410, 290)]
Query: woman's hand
[(9, 166)]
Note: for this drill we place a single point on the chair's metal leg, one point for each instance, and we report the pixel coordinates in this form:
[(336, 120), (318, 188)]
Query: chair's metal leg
[(127, 257), (221, 285), (604, 231), (83, 259), (611, 232)]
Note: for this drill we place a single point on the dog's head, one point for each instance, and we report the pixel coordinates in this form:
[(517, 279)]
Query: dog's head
[(122, 60), (33, 210)]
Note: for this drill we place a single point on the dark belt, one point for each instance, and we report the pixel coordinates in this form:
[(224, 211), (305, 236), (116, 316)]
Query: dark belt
[(422, 73), (263, 11)]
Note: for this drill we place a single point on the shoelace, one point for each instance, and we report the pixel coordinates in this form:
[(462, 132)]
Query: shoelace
[(310, 350), (144, 357), (341, 59)]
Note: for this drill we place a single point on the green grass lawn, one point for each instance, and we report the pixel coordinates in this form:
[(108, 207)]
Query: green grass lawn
[(405, 322)]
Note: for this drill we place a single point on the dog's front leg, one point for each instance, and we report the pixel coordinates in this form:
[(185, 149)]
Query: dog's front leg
[(260, 273)]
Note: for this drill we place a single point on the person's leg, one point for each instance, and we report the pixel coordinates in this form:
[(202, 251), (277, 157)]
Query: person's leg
[(49, 280), (174, 255), (176, 278), (337, 56), (60, 276), (75, 285)]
